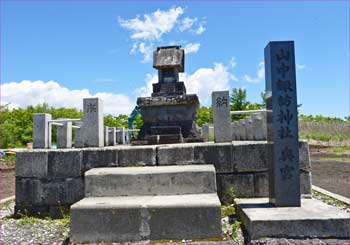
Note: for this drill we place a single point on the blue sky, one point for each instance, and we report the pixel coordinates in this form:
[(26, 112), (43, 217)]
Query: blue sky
[(59, 52)]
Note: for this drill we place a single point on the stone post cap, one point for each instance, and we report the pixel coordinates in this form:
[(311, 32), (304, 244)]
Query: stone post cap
[(169, 57)]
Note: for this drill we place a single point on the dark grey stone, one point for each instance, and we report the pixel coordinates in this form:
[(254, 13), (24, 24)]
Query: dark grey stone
[(33, 163), (30, 210), (65, 163), (249, 157), (64, 135), (219, 154), (242, 185), (112, 136), (100, 157), (137, 156), (284, 187), (29, 192)]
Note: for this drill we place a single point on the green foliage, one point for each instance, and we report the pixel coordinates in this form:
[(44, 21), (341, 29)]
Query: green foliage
[(320, 118), (235, 227), (227, 210), (239, 102), (205, 115), (119, 121)]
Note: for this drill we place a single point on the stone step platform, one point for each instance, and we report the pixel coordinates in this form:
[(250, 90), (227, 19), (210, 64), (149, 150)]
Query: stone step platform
[(150, 180), (136, 218)]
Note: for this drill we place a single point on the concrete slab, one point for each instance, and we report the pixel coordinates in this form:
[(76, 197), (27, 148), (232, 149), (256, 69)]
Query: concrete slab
[(151, 180), (135, 218), (313, 219)]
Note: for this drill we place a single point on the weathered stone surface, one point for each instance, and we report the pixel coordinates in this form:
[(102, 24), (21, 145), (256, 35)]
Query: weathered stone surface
[(105, 135), (169, 57), (93, 122), (64, 135), (175, 154), (219, 154), (305, 182), (121, 219), (243, 135), (221, 114), (249, 157), (304, 156), (160, 180), (249, 128), (30, 210), (65, 163), (112, 134), (242, 185), (121, 135), (137, 156), (41, 131), (100, 157), (58, 212), (281, 98), (313, 219), (29, 192), (32, 163), (205, 131)]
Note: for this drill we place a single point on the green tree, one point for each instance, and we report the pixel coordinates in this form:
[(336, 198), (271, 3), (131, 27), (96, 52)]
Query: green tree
[(205, 115)]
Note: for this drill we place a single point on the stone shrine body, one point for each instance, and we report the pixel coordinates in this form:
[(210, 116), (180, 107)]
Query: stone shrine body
[(169, 114)]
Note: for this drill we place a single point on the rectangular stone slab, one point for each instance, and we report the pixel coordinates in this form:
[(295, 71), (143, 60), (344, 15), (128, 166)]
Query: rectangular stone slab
[(157, 180), (313, 219), (135, 218)]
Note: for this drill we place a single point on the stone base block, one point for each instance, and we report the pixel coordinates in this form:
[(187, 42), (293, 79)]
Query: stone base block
[(135, 218), (160, 180), (313, 219)]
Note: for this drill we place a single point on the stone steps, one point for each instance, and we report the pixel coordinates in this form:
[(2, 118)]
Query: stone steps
[(135, 218), (162, 180), (147, 203)]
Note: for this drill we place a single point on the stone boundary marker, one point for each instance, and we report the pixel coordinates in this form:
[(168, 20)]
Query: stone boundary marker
[(331, 194), (221, 114)]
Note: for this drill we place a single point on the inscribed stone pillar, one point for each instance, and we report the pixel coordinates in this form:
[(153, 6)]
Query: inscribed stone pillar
[(222, 118), (93, 122), (41, 131), (284, 177), (64, 135)]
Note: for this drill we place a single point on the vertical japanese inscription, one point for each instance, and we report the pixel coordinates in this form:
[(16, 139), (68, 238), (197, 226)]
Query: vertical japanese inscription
[(284, 183), (222, 118)]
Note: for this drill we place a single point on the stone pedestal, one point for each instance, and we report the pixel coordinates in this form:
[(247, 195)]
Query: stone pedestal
[(169, 114), (41, 131)]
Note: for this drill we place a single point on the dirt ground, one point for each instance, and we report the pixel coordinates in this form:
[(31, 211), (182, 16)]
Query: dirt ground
[(7, 183), (330, 172)]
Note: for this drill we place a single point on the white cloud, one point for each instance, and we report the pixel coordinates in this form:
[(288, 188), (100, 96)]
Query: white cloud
[(104, 80), (299, 67), (147, 31), (233, 62), (187, 23), (259, 76), (202, 82), (24, 93), (200, 29), (192, 48)]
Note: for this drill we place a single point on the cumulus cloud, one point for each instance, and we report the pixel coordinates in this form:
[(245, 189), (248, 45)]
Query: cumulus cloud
[(191, 48), (147, 31), (260, 74), (202, 82), (24, 93)]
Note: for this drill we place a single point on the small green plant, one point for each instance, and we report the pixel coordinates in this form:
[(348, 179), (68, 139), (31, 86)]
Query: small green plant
[(232, 194), (329, 200), (227, 211), (235, 227)]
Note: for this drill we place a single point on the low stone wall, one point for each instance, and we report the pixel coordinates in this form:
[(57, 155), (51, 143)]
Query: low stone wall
[(48, 180)]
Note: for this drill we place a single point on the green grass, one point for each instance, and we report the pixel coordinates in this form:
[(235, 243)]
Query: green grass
[(337, 159), (339, 149), (328, 200), (235, 227), (322, 136)]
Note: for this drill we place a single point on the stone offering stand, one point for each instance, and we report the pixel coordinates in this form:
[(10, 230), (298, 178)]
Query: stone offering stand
[(118, 192)]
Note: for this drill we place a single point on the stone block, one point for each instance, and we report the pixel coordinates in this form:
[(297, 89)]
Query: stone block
[(219, 154), (241, 184), (175, 154), (304, 156), (64, 135), (135, 218), (58, 212), (112, 137), (41, 131), (249, 157), (313, 219), (222, 117), (93, 122), (137, 156), (29, 192), (305, 182), (100, 157), (249, 128), (152, 180), (65, 163), (32, 163), (105, 135)]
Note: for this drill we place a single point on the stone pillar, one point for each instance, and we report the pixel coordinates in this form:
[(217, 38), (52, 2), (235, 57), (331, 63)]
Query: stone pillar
[(234, 130), (41, 131), (64, 135), (79, 136), (112, 136), (249, 128), (242, 129), (284, 176), (222, 118), (205, 131), (93, 122), (121, 134), (105, 135)]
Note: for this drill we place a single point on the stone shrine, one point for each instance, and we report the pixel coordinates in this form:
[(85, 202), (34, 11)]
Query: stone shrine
[(169, 114)]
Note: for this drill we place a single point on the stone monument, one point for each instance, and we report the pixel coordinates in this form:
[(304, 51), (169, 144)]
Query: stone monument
[(169, 114)]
